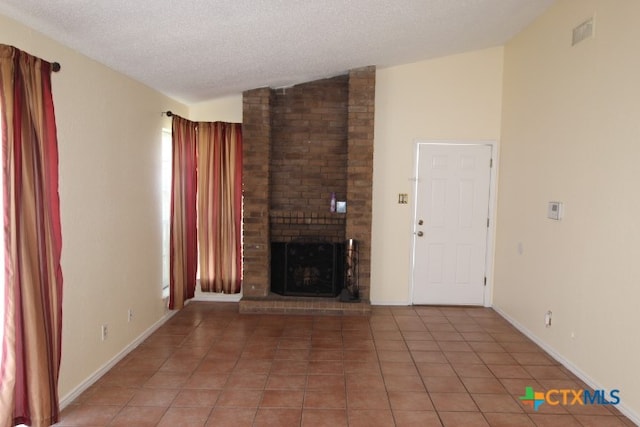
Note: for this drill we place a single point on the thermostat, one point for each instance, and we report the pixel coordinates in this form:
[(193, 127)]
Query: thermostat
[(554, 210)]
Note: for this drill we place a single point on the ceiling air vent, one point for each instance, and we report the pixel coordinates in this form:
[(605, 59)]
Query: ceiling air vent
[(582, 32)]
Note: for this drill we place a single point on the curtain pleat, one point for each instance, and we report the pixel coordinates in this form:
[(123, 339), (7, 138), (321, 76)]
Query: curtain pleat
[(32, 322), (183, 238), (220, 206)]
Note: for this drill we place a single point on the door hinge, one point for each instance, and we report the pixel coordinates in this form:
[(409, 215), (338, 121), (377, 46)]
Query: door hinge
[(487, 222), (490, 163), (485, 281)]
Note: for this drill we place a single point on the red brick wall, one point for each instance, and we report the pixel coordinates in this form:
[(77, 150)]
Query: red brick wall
[(300, 145), (362, 87), (309, 145), (256, 136)]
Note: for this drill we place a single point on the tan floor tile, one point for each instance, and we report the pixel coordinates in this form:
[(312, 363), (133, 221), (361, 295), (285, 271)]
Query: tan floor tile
[(410, 401), (324, 418), (446, 346), (453, 402), (282, 399), (154, 397), (286, 382), (392, 345), (600, 421), (292, 354), (211, 363), (398, 368), (416, 345), (252, 366), (231, 417), (509, 371), (549, 420), (115, 396), (360, 399), (246, 381), (276, 417), (207, 381), (196, 398), (318, 399), (484, 385), (87, 415), (168, 380), (287, 367), (181, 364), (462, 358), (322, 354), (498, 358), (326, 382), (417, 336), (394, 356), (370, 418), (416, 418), (508, 420), (474, 371), (533, 358), (428, 357), (364, 382), (185, 417), (497, 403), (326, 367), (444, 385), (403, 383), (428, 370), (463, 419), (541, 372), (355, 366), (239, 398), (216, 366), (143, 416)]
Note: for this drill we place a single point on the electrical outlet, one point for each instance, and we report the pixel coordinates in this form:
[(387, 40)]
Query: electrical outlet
[(104, 331), (130, 315)]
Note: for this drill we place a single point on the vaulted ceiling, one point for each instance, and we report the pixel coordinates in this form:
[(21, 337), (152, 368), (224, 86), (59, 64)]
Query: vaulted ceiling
[(195, 50)]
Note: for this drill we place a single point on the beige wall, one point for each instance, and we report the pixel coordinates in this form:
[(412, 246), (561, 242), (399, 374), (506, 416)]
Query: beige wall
[(225, 109), (456, 97), (570, 133), (109, 131)]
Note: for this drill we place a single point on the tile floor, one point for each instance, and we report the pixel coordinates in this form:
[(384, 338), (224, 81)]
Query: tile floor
[(401, 366)]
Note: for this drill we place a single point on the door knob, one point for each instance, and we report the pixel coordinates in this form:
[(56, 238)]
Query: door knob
[(420, 234)]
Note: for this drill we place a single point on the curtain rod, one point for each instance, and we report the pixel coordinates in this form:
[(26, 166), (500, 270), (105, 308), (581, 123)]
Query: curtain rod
[(168, 113), (55, 67)]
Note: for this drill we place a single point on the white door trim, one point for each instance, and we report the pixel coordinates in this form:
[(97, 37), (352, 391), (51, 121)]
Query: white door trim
[(493, 199)]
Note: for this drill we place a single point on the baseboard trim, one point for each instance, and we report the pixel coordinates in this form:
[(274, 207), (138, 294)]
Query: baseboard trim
[(78, 390), (215, 297), (626, 411), (394, 303)]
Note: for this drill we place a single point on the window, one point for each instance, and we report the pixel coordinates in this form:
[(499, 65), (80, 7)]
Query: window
[(2, 300), (166, 207)]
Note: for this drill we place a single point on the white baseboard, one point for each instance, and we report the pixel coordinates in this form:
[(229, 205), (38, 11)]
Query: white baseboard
[(628, 412), (395, 303), (215, 297), (77, 391)]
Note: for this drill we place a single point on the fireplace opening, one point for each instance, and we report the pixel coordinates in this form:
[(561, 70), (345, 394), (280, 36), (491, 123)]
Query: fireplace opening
[(302, 268)]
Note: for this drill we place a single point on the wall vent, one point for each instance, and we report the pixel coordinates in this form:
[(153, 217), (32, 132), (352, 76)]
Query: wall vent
[(582, 32)]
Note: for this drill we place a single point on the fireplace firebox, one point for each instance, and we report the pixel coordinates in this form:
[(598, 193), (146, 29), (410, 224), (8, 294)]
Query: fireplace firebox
[(307, 268)]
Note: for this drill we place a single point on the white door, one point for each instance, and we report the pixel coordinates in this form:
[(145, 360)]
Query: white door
[(451, 222)]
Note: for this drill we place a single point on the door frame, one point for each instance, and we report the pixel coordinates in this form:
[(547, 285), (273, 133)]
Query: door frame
[(493, 201)]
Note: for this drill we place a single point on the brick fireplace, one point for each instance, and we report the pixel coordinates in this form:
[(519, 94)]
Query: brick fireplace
[(300, 145)]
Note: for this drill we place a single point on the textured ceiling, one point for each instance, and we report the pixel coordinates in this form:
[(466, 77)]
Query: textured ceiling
[(195, 50)]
